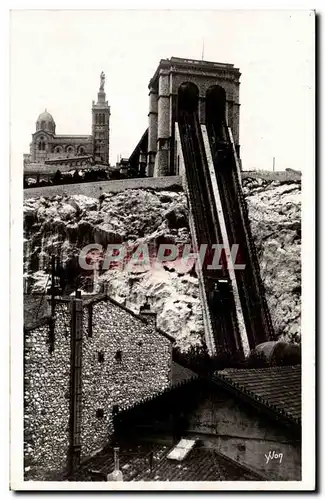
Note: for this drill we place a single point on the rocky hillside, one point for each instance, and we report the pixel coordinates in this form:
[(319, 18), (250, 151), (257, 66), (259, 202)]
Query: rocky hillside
[(62, 225)]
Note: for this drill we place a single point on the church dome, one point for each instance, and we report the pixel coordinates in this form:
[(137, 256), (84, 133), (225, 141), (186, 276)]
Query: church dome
[(45, 121)]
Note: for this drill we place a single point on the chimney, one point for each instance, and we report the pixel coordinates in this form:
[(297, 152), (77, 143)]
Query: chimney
[(147, 313), (116, 459), (116, 475)]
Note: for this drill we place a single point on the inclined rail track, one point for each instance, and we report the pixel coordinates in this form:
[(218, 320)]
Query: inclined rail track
[(257, 316), (222, 313)]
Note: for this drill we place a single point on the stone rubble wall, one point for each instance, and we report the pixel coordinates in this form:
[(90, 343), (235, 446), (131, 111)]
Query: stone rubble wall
[(143, 371), (46, 398)]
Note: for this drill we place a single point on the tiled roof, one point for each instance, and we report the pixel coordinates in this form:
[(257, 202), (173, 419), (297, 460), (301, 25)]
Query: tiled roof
[(179, 373), (276, 388), (200, 465), (132, 458), (275, 391)]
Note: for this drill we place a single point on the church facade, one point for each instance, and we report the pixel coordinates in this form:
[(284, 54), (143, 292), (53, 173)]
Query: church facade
[(49, 148)]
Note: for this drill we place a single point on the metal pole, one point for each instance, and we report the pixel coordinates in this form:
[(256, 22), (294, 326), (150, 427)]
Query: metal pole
[(273, 163), (52, 286)]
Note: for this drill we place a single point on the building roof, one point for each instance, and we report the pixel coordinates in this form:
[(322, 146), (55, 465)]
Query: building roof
[(45, 116), (180, 373), (195, 64), (200, 465), (277, 388), (146, 461), (275, 392), (73, 136)]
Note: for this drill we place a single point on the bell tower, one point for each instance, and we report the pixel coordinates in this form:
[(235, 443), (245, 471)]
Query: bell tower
[(101, 112)]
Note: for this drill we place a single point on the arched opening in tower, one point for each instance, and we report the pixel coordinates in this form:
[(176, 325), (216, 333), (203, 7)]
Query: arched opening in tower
[(215, 110), (188, 98)]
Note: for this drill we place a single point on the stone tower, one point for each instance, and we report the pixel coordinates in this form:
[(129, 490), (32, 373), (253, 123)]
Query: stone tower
[(101, 112), (205, 80)]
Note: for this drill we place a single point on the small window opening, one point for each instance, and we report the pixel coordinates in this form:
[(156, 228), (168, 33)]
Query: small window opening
[(99, 413), (118, 356)]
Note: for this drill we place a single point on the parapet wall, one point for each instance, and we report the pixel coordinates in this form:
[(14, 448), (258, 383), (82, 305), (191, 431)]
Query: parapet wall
[(95, 189)]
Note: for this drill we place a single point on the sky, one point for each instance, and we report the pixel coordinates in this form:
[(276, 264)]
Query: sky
[(56, 58)]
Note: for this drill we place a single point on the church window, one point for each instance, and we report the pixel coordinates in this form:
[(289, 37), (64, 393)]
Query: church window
[(43, 124), (41, 144)]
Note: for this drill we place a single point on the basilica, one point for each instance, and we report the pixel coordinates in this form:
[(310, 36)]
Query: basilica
[(49, 148)]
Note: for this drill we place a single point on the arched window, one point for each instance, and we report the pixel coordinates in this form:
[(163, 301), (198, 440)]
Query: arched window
[(215, 109), (188, 97), (41, 144), (43, 125)]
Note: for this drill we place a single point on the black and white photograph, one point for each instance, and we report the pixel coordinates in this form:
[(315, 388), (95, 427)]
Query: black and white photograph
[(162, 166)]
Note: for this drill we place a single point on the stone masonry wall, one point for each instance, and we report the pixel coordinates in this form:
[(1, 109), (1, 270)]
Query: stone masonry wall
[(143, 370), (241, 434), (46, 398)]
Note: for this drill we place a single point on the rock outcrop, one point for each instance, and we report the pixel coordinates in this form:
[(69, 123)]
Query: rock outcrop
[(63, 225)]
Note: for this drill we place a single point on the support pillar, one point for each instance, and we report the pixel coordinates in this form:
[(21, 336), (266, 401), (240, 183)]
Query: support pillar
[(152, 131), (164, 131), (201, 110)]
